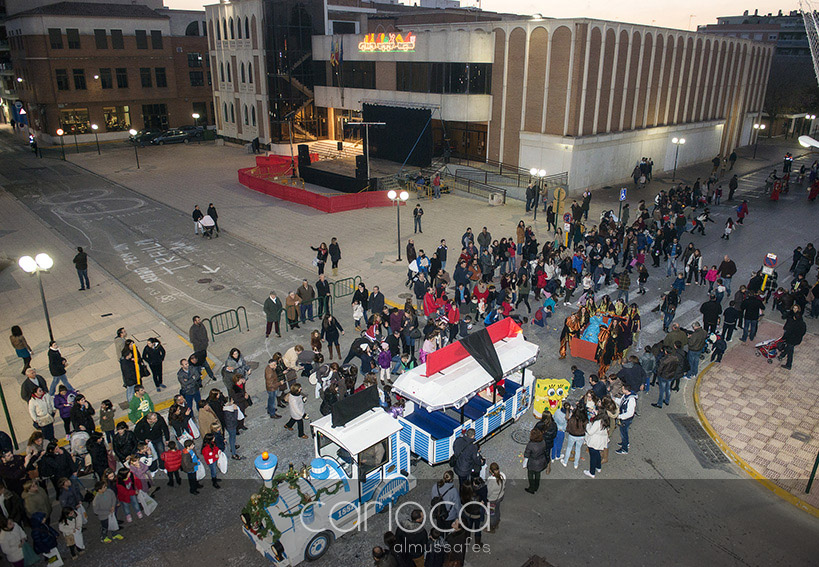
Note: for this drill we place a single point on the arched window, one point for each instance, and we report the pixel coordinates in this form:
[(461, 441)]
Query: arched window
[(224, 28), (232, 30), (247, 28), (249, 72), (227, 117), (247, 122), (218, 31), (222, 72), (238, 28), (253, 115), (242, 72), (230, 78), (192, 29), (232, 114)]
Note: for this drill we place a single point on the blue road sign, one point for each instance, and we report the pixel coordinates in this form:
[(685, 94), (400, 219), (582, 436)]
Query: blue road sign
[(623, 194)]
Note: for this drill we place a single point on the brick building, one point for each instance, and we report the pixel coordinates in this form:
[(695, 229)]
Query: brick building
[(116, 65)]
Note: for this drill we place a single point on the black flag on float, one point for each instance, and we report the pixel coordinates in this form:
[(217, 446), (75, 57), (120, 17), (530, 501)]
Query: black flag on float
[(479, 346)]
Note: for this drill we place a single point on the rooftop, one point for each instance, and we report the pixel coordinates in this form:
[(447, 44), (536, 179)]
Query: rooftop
[(91, 10)]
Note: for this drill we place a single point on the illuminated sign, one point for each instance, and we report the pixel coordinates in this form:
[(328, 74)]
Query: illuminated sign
[(387, 43)]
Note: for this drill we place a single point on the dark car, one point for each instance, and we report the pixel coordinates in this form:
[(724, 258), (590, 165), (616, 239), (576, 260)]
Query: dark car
[(194, 131), (174, 136), (145, 136)]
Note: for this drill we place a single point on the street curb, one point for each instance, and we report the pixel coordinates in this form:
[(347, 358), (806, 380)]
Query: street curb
[(739, 461)]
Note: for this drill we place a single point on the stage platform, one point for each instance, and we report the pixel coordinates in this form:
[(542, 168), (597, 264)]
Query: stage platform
[(378, 167)]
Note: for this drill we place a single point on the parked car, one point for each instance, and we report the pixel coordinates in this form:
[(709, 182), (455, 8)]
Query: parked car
[(145, 136), (194, 131), (173, 136)]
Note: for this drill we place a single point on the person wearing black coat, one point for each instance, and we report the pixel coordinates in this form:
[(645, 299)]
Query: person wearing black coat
[(363, 297), (215, 216), (99, 454), (335, 254), (467, 456), (82, 415), (793, 332), (711, 310), (125, 442), (548, 429), (154, 355), (129, 377), (56, 464)]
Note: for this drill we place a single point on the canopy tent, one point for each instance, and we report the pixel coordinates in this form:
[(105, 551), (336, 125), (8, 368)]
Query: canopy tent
[(360, 433), (457, 382)]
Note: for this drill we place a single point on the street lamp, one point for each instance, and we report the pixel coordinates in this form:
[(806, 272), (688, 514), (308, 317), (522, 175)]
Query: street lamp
[(810, 117), (538, 175), (94, 127), (195, 117), (759, 128), (677, 142), (398, 198), (40, 263), (136, 150), (61, 133)]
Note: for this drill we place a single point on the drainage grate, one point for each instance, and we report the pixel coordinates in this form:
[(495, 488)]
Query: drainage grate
[(216, 287), (799, 436), (520, 436), (708, 453), (204, 280)]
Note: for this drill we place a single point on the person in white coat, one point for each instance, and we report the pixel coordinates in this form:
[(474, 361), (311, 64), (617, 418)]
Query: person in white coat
[(296, 405), (597, 439), (12, 538), (41, 410)]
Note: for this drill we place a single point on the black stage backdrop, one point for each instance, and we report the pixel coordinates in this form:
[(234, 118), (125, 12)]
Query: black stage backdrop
[(395, 140)]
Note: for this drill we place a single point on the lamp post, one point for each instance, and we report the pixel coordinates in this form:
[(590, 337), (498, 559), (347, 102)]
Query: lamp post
[(61, 133), (94, 127), (195, 117), (136, 149), (40, 263), (677, 142), (398, 198), (810, 117), (759, 128)]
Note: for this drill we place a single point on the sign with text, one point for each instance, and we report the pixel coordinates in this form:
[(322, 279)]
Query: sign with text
[(387, 43)]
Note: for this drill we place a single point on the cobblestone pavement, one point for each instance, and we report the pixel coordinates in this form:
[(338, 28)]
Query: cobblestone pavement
[(766, 414)]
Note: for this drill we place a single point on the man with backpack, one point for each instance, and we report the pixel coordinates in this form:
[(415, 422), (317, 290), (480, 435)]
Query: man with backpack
[(466, 456)]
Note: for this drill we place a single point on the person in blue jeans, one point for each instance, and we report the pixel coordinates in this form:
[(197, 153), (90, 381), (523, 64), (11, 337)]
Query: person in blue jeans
[(666, 370), (628, 407), (272, 381), (752, 308), (696, 344), (560, 417)]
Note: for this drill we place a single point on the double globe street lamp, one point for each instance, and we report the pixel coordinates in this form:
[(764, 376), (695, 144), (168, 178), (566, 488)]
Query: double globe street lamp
[(40, 263), (759, 127), (398, 198), (677, 142)]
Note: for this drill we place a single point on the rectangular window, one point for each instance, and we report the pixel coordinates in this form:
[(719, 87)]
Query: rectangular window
[(122, 78), (73, 37), (55, 38), (357, 74), (156, 39), (62, 79), (79, 79), (194, 60), (145, 77), (106, 80), (479, 78), (100, 39), (117, 118), (457, 78), (197, 78), (141, 39), (117, 41), (161, 78), (210, 80), (75, 121), (436, 78)]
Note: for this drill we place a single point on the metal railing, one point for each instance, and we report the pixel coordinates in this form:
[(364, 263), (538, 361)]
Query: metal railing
[(344, 286), (492, 170), (474, 187), (226, 321)]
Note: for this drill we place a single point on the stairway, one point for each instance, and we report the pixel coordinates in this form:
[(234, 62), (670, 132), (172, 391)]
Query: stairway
[(328, 149)]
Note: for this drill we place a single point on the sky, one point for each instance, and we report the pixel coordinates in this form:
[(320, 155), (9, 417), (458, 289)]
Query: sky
[(679, 14)]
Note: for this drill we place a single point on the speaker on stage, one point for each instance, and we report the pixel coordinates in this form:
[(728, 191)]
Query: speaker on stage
[(304, 155), (341, 146), (361, 167)]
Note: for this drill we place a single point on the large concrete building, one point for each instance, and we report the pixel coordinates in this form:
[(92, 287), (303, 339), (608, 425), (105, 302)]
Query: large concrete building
[(584, 96), (118, 65)]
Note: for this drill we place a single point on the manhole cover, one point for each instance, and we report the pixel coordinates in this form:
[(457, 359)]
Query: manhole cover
[(799, 436), (405, 295), (520, 436), (216, 287), (700, 438), (204, 280)]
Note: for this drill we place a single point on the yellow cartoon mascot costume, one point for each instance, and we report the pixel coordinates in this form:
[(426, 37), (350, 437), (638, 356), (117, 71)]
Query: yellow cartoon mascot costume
[(549, 395)]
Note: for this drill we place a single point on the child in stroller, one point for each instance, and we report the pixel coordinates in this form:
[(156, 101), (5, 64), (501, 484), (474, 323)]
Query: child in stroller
[(207, 223), (770, 349)]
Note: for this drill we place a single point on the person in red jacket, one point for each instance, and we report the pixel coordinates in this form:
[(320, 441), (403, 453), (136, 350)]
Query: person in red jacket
[(210, 452), (128, 486), (173, 462)]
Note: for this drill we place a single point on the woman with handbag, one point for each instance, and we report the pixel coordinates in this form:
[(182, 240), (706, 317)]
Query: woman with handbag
[(330, 331), (241, 398), (210, 453)]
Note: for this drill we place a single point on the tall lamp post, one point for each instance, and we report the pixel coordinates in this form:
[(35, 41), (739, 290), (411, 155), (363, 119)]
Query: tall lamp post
[(40, 263), (61, 133), (398, 198), (759, 128), (94, 127), (195, 117), (810, 117), (677, 142), (538, 175), (136, 149)]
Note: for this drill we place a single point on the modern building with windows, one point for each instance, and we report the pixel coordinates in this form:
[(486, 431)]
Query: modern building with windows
[(114, 65), (582, 96)]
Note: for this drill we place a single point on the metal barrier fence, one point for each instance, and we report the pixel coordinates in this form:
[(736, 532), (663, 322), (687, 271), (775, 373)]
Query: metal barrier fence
[(345, 286), (319, 311), (475, 187), (226, 321)]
